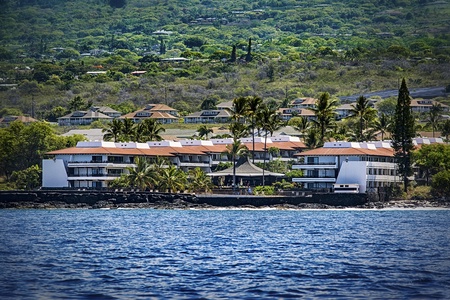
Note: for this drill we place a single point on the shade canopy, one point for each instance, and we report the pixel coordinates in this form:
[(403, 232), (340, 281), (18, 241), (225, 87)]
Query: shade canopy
[(245, 168)]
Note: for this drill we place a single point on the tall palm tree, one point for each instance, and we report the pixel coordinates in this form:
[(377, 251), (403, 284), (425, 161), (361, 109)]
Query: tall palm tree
[(238, 130), (128, 130), (113, 131), (325, 111), (302, 125), (269, 121), (253, 106), (434, 116), (149, 130), (312, 139), (234, 150), (204, 131), (240, 108), (364, 114)]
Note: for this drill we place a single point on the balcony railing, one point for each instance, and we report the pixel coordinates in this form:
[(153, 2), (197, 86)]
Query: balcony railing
[(316, 164), (94, 175)]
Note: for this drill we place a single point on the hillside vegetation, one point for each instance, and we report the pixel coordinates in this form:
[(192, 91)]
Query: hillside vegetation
[(297, 48)]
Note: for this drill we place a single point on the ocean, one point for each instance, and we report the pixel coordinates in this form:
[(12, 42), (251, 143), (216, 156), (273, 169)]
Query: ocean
[(224, 254)]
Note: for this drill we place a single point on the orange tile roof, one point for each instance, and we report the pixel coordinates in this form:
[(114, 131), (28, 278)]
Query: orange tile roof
[(156, 151), (348, 151)]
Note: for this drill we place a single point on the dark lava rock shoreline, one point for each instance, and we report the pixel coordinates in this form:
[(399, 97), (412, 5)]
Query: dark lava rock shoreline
[(74, 199)]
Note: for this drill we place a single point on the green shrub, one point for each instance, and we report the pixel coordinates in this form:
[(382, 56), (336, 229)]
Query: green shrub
[(264, 190)]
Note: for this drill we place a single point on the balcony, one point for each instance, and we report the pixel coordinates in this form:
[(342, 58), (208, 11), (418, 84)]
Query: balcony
[(96, 163), (315, 165), (314, 179)]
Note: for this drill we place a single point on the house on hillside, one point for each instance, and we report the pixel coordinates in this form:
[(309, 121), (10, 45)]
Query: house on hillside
[(6, 120), (160, 112), (106, 110), (208, 116), (424, 105), (80, 117), (303, 103)]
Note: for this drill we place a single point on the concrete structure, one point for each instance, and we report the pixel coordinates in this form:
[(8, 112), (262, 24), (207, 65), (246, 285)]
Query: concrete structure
[(94, 164)]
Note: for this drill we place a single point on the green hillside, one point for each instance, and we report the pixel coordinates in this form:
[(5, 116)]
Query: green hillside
[(298, 48)]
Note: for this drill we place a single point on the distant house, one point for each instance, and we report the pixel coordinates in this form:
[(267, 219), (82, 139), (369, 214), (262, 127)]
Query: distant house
[(343, 111), (288, 113), (138, 73), (424, 105), (6, 120), (225, 105), (95, 73), (107, 111), (82, 118), (208, 116), (161, 112), (303, 103)]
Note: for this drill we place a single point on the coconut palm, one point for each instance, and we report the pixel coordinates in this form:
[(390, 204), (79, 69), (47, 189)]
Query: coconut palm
[(364, 114), (312, 139), (238, 130), (172, 179), (234, 150), (445, 129), (383, 125), (240, 108), (128, 130), (434, 116), (325, 111), (113, 131), (199, 181), (149, 130), (300, 123), (269, 121), (204, 131), (253, 106), (141, 175)]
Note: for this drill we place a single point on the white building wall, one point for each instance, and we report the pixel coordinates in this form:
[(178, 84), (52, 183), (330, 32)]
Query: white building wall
[(54, 173), (353, 172)]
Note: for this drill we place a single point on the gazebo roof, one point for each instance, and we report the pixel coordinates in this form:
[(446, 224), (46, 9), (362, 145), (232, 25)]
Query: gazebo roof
[(245, 168)]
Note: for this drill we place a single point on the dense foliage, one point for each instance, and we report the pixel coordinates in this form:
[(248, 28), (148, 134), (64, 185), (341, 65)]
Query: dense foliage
[(276, 49)]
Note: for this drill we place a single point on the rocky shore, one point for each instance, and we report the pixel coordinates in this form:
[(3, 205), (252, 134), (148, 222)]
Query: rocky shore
[(147, 200)]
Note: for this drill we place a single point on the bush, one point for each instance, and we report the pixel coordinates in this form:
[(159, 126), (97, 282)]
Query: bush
[(440, 185), (265, 190)]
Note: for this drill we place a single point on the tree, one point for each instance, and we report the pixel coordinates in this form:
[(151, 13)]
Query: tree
[(434, 117), (364, 114), (269, 121), (78, 103), (234, 150), (117, 3), (209, 102), (140, 176), (149, 130), (431, 159), (300, 124), (248, 57), (204, 131), (199, 181), (27, 179), (113, 131), (383, 125), (233, 54), (172, 179), (403, 133), (440, 185), (128, 130), (445, 129), (253, 106), (324, 110)]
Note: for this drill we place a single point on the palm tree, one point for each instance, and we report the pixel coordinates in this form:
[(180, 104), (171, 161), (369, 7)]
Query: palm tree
[(199, 181), (300, 124), (204, 131), (128, 130), (269, 121), (172, 179), (312, 139), (234, 150), (434, 116), (445, 129), (364, 114), (253, 105), (113, 131), (238, 130), (383, 125), (149, 130), (325, 114), (141, 175), (240, 108)]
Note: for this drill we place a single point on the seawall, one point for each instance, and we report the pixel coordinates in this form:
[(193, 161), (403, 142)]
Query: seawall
[(99, 199)]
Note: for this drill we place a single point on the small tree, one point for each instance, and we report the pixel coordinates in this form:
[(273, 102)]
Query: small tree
[(27, 179), (248, 57)]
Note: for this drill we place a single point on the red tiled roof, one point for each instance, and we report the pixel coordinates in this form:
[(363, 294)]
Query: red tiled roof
[(347, 151)]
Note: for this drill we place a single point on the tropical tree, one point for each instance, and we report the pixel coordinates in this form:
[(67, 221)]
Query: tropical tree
[(234, 150), (27, 179), (113, 131), (383, 125), (238, 130), (172, 179), (199, 181), (253, 106), (240, 108), (364, 114), (434, 117), (204, 131), (312, 139), (149, 130), (128, 130), (140, 176), (268, 121), (403, 133), (300, 124), (445, 129), (325, 111)]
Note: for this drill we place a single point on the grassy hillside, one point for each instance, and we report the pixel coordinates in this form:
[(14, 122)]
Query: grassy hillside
[(299, 48)]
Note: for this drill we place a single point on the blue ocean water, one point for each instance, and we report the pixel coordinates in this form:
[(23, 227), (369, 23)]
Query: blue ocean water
[(224, 254)]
